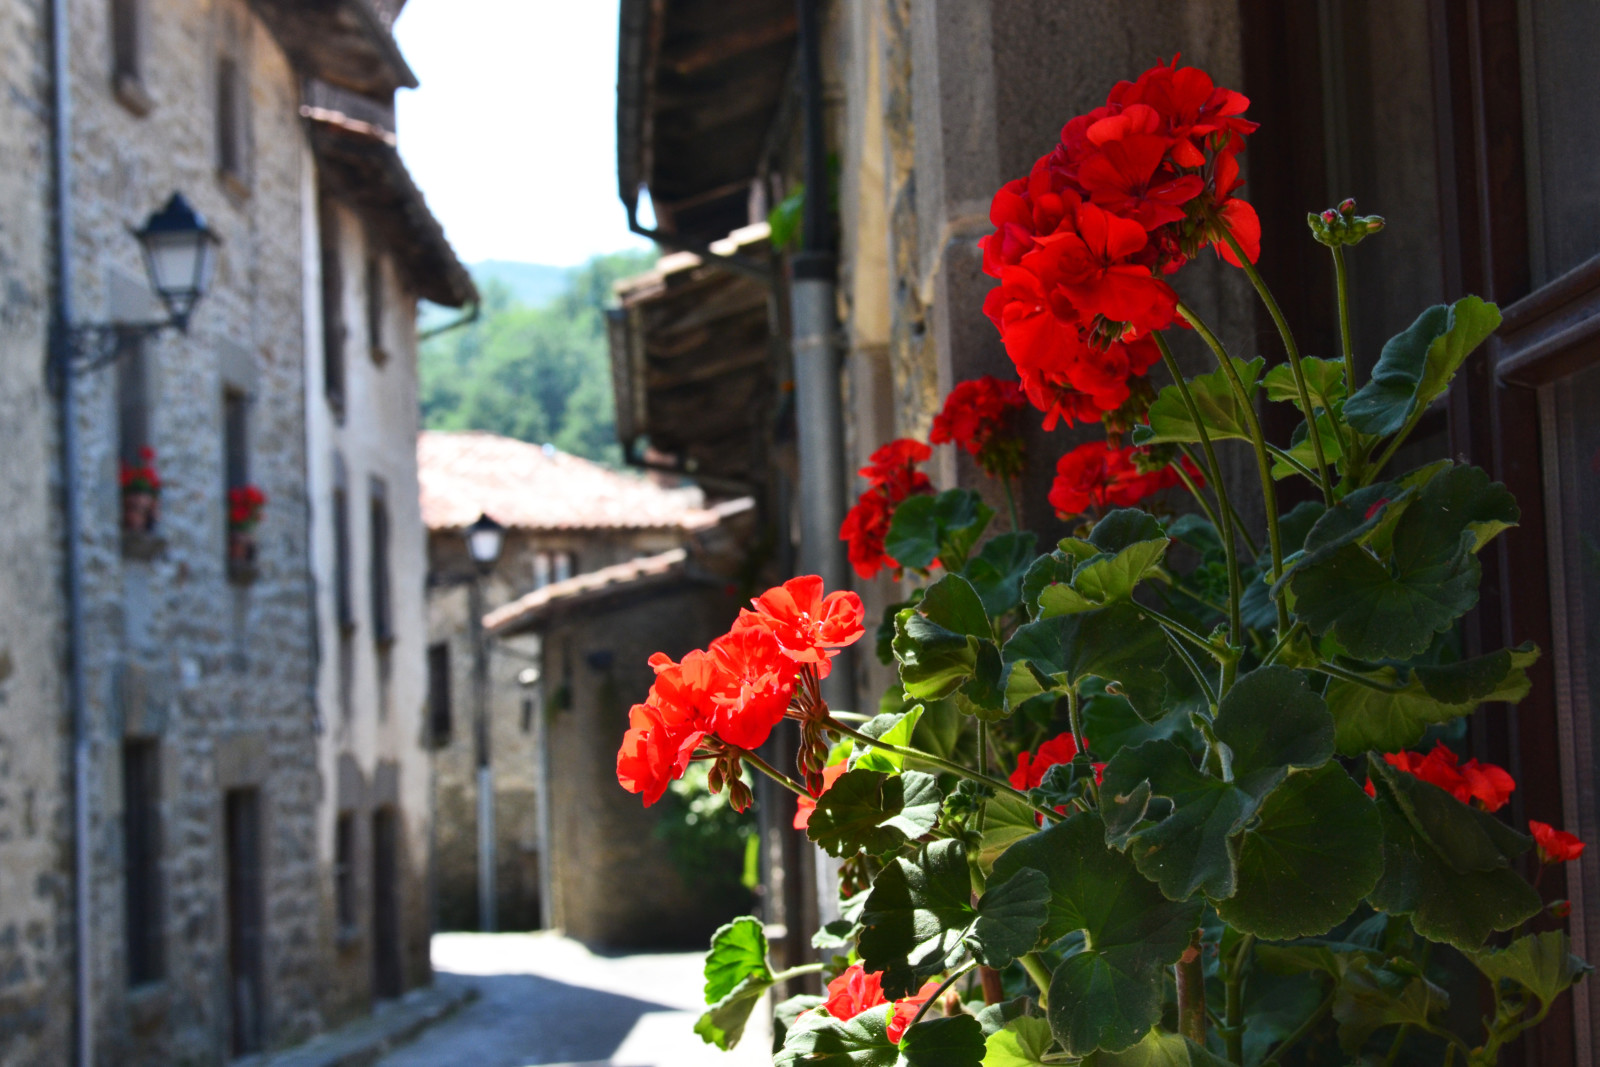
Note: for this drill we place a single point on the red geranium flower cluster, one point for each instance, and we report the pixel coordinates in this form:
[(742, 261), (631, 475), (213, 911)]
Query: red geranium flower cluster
[(140, 477), (718, 702), (244, 507), (980, 416), (1555, 846), (854, 991), (1099, 475), (1488, 786), (892, 476), (1031, 767), (1081, 246)]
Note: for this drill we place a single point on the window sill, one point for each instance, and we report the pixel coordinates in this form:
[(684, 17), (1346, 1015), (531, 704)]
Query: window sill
[(142, 545), (147, 1005), (244, 573), (234, 184), (131, 94)]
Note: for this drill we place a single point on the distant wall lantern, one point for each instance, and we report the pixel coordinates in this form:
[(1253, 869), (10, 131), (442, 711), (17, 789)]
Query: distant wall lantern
[(485, 539), (180, 255)]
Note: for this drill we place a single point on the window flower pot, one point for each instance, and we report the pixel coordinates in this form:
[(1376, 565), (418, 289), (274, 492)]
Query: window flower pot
[(141, 510)]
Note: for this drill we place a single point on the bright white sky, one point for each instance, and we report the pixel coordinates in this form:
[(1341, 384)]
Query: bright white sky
[(512, 135)]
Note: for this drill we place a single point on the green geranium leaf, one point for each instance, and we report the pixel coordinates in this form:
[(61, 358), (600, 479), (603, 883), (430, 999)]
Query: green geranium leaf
[(1104, 578), (1446, 865), (1023, 1043), (1006, 820), (916, 916), (919, 918), (1324, 381), (1107, 992), (1417, 365), (1157, 1049), (937, 639), (943, 527), (816, 1039), (984, 694), (897, 730), (1305, 453), (1542, 964), (1370, 997), (1390, 604), (1313, 853), (1271, 723), (738, 951), (1124, 527), (996, 1017), (996, 572), (737, 977), (1043, 572), (1119, 644), (870, 811), (953, 1042), (1395, 717), (784, 1014), (1010, 914), (1220, 410)]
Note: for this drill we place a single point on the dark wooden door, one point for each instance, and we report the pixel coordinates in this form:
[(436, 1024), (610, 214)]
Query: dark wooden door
[(246, 919), (388, 977)]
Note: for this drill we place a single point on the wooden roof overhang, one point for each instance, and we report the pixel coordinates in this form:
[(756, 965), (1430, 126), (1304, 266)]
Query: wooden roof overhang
[(699, 85), (344, 42), (693, 364), (360, 163)]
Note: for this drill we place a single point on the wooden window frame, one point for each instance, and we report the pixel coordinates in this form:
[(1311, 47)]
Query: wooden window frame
[(143, 891), (127, 21)]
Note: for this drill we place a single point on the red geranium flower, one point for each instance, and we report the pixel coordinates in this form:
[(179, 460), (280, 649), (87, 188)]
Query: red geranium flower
[(1484, 783), (1555, 846), (810, 628), (1096, 475), (892, 477), (1032, 766), (804, 806), (655, 750), (979, 415), (855, 990), (756, 686)]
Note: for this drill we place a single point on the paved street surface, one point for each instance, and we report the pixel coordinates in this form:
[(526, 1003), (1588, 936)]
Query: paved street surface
[(544, 1001)]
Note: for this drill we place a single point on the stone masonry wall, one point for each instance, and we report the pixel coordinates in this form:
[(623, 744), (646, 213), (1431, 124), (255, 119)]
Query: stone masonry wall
[(35, 746), (216, 671)]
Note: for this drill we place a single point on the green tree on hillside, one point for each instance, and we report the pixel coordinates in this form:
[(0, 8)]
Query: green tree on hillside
[(540, 374)]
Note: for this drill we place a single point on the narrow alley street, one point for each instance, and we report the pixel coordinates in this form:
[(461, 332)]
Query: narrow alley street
[(545, 1001)]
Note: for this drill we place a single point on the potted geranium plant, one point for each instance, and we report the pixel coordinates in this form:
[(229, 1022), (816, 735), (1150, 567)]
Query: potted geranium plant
[(1177, 791), (245, 504), (141, 493)]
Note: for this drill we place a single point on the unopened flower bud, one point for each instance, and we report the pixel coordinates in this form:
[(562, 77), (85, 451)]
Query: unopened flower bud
[(1347, 206), (739, 798), (1330, 216), (714, 778), (1561, 909), (1372, 223)]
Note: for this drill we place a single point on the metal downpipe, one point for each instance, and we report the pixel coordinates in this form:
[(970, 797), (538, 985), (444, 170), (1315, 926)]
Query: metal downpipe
[(61, 367)]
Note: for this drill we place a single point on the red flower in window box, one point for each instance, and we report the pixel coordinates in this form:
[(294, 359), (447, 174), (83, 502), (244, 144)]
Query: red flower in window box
[(141, 492), (245, 503)]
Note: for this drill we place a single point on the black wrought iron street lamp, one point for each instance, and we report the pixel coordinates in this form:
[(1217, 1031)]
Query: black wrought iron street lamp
[(485, 539), (180, 254)]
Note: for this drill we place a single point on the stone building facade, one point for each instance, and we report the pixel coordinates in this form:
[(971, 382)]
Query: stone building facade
[(213, 754), (568, 520)]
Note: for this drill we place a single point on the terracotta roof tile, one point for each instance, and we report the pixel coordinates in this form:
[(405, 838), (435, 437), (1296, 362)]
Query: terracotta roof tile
[(537, 487), (635, 573)]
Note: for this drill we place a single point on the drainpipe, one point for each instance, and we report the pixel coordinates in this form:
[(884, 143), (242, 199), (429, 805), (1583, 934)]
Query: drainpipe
[(61, 356), (818, 409)]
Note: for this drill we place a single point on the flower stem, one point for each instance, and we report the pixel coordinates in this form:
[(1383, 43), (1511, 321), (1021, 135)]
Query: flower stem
[(1034, 965), (1269, 490), (937, 993), (1191, 977), (1173, 625), (1011, 504), (1075, 717), (944, 765), (1335, 671), (1239, 526), (797, 972), (1299, 1033), (1347, 341), (1299, 468), (1220, 487), (1233, 1001), (772, 772), (1292, 351), (1283, 643)]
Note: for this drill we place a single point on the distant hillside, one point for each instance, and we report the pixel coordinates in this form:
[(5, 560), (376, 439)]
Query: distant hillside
[(532, 284)]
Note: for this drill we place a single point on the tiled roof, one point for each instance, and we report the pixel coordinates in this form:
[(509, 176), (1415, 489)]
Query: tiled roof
[(630, 577), (537, 487)]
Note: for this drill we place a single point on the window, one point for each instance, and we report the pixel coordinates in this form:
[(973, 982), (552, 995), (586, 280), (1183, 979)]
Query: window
[(133, 401), (378, 532), (375, 309), (235, 438), (564, 566), (541, 570), (332, 307), (230, 118), (341, 560), (127, 55), (439, 711), (141, 849), (246, 918), (344, 872)]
